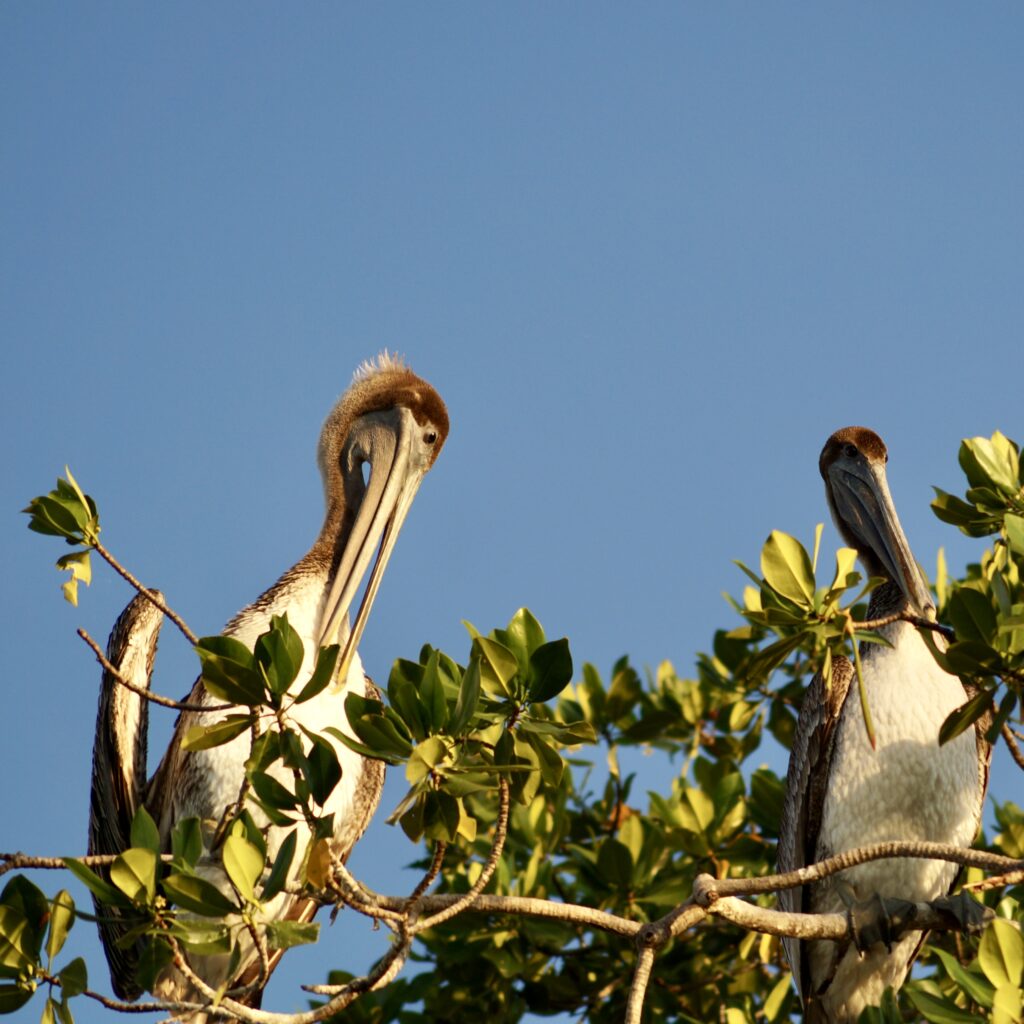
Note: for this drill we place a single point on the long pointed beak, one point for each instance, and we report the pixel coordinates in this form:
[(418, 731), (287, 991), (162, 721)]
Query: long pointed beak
[(866, 507), (394, 480)]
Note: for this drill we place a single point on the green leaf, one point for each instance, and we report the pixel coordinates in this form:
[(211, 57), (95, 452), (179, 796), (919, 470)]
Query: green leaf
[(74, 978), (469, 698), (101, 889), (939, 1011), (1001, 953), (323, 673), (272, 792), (551, 764), (965, 716), (551, 666), (971, 615), (187, 840), (787, 569), (229, 670), (14, 997), (427, 755), (144, 831), (190, 892), (205, 737), (285, 934), (279, 651), (278, 877), (134, 873), (244, 865), (524, 632), (323, 772), (433, 696), (62, 918), (615, 863), (16, 940), (977, 987), (499, 664), (1014, 526)]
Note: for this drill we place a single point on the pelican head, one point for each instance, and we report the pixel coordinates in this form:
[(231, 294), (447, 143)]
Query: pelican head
[(376, 446), (852, 464)]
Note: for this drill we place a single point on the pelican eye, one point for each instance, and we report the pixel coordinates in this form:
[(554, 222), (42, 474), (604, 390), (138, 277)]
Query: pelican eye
[(430, 437), (850, 451)]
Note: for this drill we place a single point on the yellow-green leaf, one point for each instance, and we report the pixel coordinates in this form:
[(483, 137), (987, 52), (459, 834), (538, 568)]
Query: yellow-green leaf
[(243, 863), (1001, 953), (787, 569)]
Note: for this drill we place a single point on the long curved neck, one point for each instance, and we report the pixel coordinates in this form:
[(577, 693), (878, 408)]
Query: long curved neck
[(887, 599)]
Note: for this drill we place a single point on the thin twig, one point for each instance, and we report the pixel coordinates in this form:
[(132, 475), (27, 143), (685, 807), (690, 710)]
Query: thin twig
[(915, 620), (157, 601), (432, 872), (1015, 751), (165, 702), (500, 832)]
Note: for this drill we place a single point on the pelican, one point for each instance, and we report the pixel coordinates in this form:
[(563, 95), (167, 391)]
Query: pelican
[(841, 793), (396, 423)]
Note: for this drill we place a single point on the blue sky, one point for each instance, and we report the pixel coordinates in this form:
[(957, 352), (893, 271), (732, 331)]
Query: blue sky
[(651, 257)]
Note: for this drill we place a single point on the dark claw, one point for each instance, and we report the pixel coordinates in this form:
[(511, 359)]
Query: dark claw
[(963, 910)]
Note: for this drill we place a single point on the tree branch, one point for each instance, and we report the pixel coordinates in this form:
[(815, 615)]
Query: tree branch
[(1015, 751), (165, 702), (158, 602)]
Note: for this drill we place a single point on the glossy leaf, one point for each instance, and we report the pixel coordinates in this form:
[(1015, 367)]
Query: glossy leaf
[(323, 673), (100, 888), (229, 670), (285, 934), (62, 918), (1001, 953), (243, 863), (278, 877), (134, 873), (74, 978), (279, 652), (551, 669), (205, 737), (195, 894), (786, 568), (965, 716)]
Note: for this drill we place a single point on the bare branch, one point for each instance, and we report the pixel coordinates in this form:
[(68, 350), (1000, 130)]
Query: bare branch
[(708, 888), (165, 702), (157, 602), (500, 832), (1015, 751), (638, 990), (905, 616)]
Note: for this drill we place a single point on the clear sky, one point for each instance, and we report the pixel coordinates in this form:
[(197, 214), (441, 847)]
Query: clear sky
[(651, 256)]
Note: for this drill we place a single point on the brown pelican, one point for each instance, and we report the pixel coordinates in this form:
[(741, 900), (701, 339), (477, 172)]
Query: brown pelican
[(841, 793), (395, 423)]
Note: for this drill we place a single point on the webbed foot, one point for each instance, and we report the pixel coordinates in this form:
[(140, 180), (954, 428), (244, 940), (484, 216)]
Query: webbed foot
[(964, 910), (877, 919)]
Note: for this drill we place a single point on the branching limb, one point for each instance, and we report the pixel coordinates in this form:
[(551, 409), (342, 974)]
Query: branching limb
[(638, 990), (155, 698), (157, 601), (500, 832), (851, 858)]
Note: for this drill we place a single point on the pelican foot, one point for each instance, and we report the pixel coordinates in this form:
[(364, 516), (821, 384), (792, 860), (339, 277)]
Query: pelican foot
[(963, 910), (878, 919)]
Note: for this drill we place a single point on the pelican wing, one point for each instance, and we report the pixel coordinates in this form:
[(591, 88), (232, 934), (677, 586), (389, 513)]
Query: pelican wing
[(119, 765), (806, 786)]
